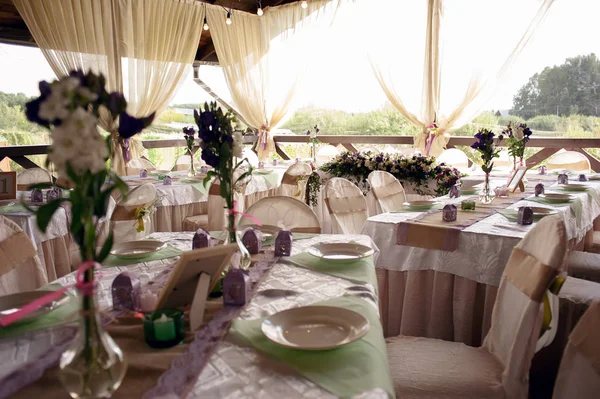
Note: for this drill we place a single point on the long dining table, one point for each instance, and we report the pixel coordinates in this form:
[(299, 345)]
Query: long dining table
[(232, 370), (449, 293)]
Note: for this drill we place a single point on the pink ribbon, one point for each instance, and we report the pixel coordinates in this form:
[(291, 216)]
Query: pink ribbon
[(86, 289), (234, 211)]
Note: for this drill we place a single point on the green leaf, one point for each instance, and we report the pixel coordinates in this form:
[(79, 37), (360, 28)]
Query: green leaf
[(106, 247), (45, 212)]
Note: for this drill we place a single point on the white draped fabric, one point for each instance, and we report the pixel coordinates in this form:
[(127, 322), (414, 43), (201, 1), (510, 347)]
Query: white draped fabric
[(142, 48), (447, 60), (265, 58)]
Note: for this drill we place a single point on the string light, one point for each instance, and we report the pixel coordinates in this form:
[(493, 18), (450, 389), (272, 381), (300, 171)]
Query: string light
[(205, 26), (304, 4), (228, 20), (259, 11)]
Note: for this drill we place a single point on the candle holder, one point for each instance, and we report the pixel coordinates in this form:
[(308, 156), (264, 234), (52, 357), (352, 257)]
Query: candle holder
[(501, 192), (203, 169), (37, 196), (274, 162), (583, 177), (525, 216), (261, 165), (161, 177), (164, 328), (143, 173), (467, 205), (167, 181), (542, 170), (563, 178), (539, 189), (449, 213)]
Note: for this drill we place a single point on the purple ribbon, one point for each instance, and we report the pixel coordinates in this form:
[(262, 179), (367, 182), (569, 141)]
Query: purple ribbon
[(125, 149)]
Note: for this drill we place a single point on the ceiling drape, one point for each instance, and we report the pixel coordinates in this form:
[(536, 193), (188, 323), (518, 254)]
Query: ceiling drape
[(143, 48), (468, 48), (264, 59)]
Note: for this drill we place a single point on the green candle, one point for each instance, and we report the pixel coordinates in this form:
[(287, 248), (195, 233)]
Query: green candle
[(164, 328)]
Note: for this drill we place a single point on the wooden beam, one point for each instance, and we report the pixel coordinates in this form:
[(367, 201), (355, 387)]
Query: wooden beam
[(539, 156), (25, 162), (281, 153), (350, 147)]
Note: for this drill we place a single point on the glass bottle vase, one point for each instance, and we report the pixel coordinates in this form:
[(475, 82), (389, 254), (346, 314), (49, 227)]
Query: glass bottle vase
[(232, 238), (485, 195), (192, 168), (93, 366)]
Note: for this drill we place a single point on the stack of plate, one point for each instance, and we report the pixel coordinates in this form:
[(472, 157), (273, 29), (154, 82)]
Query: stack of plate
[(419, 206), (136, 249), (340, 251), (556, 198), (538, 212), (574, 187)]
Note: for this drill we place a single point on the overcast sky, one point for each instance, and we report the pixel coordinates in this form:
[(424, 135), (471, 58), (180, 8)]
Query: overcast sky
[(570, 30)]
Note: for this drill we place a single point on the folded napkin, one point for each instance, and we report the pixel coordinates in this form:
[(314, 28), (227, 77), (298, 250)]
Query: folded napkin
[(64, 314), (361, 271), (165, 253), (429, 236), (351, 370)]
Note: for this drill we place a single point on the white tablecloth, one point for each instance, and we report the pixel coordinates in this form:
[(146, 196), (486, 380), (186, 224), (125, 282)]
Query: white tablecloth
[(232, 371)]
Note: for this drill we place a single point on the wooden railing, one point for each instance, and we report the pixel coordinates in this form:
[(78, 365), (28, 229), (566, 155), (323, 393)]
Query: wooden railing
[(547, 146)]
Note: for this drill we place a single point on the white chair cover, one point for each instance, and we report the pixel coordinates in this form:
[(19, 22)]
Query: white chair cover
[(124, 222), (294, 180), (429, 368), (285, 212), (326, 153), (347, 206), (250, 156), (579, 373), (217, 207), (584, 265), (134, 166), (387, 190), (569, 160), (20, 268), (32, 176), (184, 161), (454, 157)]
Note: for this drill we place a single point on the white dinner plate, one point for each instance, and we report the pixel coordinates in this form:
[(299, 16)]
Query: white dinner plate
[(315, 327), (557, 198), (574, 187), (12, 303), (340, 251), (423, 205), (539, 212), (594, 177), (136, 249)]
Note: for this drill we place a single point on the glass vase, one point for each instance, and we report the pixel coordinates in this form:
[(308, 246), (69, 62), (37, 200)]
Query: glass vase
[(192, 169), (313, 153), (93, 366), (233, 238), (485, 196)]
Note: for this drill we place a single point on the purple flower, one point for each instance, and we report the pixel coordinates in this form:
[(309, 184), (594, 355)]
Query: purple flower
[(210, 157), (116, 103), (129, 126), (32, 109)]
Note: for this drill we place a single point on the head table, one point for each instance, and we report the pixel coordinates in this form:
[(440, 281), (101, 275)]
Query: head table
[(232, 370), (449, 294)]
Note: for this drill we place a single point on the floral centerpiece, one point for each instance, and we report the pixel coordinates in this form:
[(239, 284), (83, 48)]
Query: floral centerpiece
[(220, 145), (313, 141), (93, 366), (484, 143), (517, 137), (313, 187), (417, 170), (189, 135)]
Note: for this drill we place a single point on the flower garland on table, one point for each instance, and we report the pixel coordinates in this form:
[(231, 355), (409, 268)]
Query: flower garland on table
[(517, 137), (417, 170), (313, 187), (486, 147)]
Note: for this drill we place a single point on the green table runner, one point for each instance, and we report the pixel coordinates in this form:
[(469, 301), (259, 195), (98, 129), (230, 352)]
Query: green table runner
[(12, 208), (165, 253), (61, 315), (361, 271), (361, 366), (271, 178)]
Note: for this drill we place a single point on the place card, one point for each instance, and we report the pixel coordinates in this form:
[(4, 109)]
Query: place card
[(236, 287), (37, 196), (167, 181), (126, 291), (53, 194), (201, 239), (143, 173), (252, 240), (8, 185)]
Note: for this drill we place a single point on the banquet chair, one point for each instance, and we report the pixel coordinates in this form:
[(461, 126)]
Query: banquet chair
[(569, 160), (584, 265), (283, 212), (294, 180), (20, 268), (387, 190), (579, 373), (432, 368), (454, 157), (216, 217), (326, 153), (184, 161), (346, 205), (250, 156), (126, 220), (32, 176), (133, 167)]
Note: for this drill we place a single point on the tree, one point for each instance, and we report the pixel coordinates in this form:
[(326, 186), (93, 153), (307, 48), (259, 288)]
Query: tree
[(14, 99), (562, 90)]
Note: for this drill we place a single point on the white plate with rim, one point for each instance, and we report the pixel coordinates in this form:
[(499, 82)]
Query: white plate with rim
[(136, 249), (315, 327), (340, 251), (574, 187), (557, 198), (12, 303), (539, 212), (422, 205)]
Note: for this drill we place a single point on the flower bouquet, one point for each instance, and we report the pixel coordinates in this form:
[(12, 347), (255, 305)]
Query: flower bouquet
[(313, 141), (189, 135), (70, 107), (219, 146), (313, 187), (517, 137), (487, 148)]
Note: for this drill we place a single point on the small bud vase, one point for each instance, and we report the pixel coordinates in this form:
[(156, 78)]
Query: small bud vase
[(93, 366), (485, 196), (192, 169)]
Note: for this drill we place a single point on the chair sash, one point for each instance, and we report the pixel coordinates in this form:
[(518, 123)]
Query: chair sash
[(15, 250), (386, 191), (132, 212), (529, 275), (345, 204)]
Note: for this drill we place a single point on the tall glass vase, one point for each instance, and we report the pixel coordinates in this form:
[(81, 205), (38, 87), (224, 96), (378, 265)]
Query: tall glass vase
[(485, 196), (192, 169), (232, 238), (93, 366), (313, 153)]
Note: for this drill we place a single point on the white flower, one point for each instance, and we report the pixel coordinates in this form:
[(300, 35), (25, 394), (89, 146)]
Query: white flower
[(313, 135), (517, 133), (87, 94), (54, 107)]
